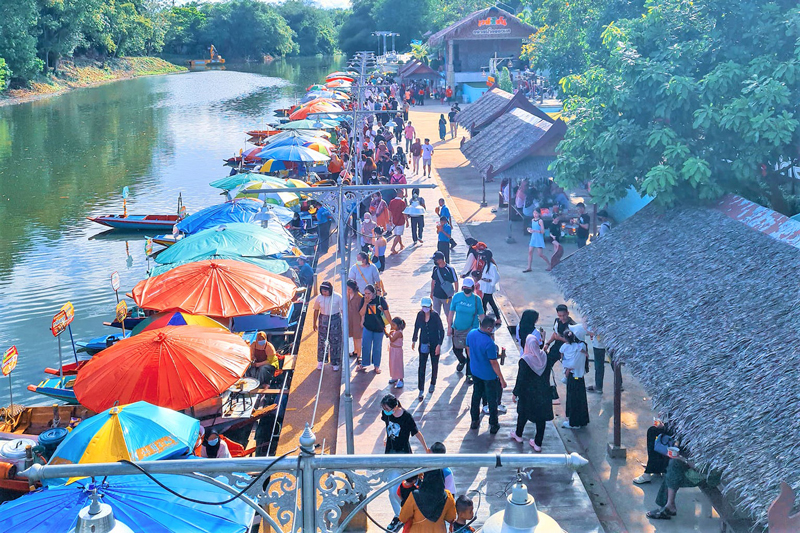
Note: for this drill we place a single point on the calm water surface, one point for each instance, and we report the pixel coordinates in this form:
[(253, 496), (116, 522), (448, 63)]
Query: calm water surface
[(66, 158)]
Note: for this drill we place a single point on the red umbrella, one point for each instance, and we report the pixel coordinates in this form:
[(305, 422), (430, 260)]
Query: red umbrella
[(175, 367), (318, 107), (216, 288)]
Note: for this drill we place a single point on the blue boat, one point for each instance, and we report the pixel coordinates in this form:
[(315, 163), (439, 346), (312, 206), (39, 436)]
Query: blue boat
[(99, 344), (57, 388)]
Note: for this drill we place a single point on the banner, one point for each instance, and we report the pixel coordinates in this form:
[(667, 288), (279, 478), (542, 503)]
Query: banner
[(62, 319), (9, 360)]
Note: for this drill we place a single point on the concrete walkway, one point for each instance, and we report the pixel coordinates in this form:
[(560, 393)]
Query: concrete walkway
[(619, 504), (443, 416)]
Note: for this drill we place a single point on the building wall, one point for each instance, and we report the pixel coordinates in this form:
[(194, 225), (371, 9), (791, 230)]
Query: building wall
[(472, 55)]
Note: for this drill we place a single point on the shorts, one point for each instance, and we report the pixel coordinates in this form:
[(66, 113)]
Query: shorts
[(426, 161), (398, 230)]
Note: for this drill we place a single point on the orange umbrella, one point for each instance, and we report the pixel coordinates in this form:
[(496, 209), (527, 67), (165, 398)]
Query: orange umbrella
[(337, 83), (319, 107), (216, 288), (340, 78), (175, 367)]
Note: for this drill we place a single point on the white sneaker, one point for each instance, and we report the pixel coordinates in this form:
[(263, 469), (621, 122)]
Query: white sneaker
[(644, 478), (513, 435), (335, 368), (566, 425), (320, 365), (501, 409)]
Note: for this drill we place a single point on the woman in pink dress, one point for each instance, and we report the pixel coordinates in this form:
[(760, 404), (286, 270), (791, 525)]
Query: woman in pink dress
[(396, 374)]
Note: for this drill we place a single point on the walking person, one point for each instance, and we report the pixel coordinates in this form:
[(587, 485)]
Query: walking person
[(474, 257), (442, 127), (443, 235), (537, 239), (466, 313), (444, 211), (430, 506), (453, 124), (429, 332), (396, 367), (379, 252), (582, 231), (375, 316), (416, 215), (364, 273), (443, 283), (328, 325), (532, 391), (400, 427), (573, 354), (416, 154), (427, 157), (400, 222), (490, 276), (354, 326), (486, 373)]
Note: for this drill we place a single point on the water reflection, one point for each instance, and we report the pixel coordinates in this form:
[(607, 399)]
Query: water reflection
[(66, 158)]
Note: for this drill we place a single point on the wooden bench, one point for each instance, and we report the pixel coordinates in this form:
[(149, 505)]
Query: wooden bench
[(730, 520), (288, 363)]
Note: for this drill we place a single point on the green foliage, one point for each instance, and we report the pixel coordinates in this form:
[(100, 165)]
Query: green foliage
[(185, 26), (17, 41), (313, 27), (688, 101), (505, 82), (247, 29), (446, 12), (5, 74), (60, 26), (356, 30), (408, 18), (420, 52)]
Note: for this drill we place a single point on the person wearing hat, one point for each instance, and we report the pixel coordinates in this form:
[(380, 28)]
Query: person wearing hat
[(328, 325), (490, 276), (443, 283), (304, 271), (428, 330), (466, 312), (214, 447)]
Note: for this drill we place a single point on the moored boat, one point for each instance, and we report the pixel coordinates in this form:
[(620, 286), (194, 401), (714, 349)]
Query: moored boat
[(57, 388), (137, 222)]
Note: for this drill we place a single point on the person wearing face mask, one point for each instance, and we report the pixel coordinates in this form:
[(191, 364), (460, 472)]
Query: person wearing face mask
[(214, 447), (429, 331), (400, 427), (364, 273), (466, 311)]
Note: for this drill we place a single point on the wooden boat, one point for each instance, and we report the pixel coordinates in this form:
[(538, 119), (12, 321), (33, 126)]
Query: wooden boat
[(138, 222), (98, 344), (167, 239), (135, 315), (57, 388)]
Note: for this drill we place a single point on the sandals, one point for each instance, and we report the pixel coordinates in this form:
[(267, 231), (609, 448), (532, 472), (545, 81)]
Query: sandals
[(661, 514), (526, 271)]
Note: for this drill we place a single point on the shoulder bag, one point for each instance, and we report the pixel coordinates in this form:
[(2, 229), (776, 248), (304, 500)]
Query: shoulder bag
[(448, 287)]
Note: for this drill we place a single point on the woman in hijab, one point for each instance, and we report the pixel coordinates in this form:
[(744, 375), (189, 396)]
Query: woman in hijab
[(379, 210), (214, 447), (442, 127), (367, 231), (430, 506), (532, 391)]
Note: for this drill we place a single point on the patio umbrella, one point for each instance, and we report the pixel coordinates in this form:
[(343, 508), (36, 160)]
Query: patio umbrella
[(136, 501), (348, 79), (243, 210), (293, 153), (317, 107), (337, 73), (229, 183), (338, 84), (247, 240), (309, 124), (296, 134), (135, 432), (273, 165), (276, 266), (175, 367), (311, 95), (175, 318), (283, 215), (320, 147), (286, 199), (316, 87), (250, 154), (215, 287)]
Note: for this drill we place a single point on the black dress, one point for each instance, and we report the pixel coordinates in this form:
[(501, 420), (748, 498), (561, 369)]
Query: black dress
[(534, 400)]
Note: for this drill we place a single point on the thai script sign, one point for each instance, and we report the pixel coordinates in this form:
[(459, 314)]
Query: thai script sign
[(9, 360), (62, 319), (122, 311), (493, 21)]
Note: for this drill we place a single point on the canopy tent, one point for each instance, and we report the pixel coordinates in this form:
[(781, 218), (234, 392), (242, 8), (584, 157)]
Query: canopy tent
[(244, 210), (231, 239)]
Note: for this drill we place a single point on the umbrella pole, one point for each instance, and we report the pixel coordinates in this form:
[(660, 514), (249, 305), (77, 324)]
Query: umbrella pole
[(72, 340), (60, 361), (10, 393)]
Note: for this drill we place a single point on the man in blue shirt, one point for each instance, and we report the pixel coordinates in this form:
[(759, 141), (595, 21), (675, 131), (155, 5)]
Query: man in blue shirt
[(324, 219), (444, 211), (443, 231), (304, 272), (488, 381)]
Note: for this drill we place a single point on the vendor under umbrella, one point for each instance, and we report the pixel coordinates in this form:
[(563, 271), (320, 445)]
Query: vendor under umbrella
[(214, 447)]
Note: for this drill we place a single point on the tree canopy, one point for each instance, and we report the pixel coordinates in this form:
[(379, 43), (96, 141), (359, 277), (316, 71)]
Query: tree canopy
[(693, 99)]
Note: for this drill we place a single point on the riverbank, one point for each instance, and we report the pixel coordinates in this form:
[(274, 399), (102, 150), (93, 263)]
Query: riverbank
[(83, 72)]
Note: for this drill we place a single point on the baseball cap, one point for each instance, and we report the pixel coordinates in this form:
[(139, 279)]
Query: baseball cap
[(426, 302), (468, 282), (437, 255)]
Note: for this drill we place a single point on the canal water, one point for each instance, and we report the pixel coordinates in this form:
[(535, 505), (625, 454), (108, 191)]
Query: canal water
[(66, 158)]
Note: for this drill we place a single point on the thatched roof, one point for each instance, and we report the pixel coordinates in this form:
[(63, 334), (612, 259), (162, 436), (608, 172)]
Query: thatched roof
[(419, 70), (511, 138), (473, 27), (703, 305), (492, 104)]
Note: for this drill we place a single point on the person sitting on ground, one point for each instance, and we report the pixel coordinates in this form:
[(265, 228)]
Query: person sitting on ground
[(465, 513), (430, 506), (214, 447), (449, 479)]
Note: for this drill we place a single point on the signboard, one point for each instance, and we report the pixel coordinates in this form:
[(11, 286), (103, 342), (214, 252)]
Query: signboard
[(9, 360), (148, 247), (492, 26), (493, 21), (490, 81), (62, 319), (115, 280), (122, 311)]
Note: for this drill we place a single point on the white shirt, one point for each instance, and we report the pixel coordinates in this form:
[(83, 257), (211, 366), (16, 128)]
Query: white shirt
[(222, 452), (328, 305), (492, 274), (580, 331), (364, 275), (574, 358), (427, 151)]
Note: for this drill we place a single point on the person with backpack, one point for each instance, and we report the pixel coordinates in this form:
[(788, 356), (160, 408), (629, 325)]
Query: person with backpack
[(443, 284), (466, 312)]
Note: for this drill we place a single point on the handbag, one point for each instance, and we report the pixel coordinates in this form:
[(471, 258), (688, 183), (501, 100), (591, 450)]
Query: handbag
[(553, 388), (425, 348), (449, 288), (663, 443), (460, 338)]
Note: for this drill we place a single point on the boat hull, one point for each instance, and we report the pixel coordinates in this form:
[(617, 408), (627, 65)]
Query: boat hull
[(57, 388), (138, 222)]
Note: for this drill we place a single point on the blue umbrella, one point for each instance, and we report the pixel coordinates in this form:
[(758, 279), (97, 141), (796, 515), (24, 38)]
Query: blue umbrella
[(246, 240), (229, 183), (292, 153), (241, 210), (276, 266), (136, 501)]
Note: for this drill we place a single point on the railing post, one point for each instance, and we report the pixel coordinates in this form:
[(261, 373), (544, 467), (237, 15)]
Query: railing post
[(308, 488), (615, 449)]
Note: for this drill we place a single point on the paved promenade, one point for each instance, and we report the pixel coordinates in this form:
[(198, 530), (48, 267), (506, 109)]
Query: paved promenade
[(619, 504)]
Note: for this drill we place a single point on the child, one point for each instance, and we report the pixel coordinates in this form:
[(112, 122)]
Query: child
[(379, 251), (396, 352), (464, 514), (449, 479)]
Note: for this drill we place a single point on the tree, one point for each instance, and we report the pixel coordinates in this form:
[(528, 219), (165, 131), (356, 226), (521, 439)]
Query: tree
[(185, 25), (505, 82), (247, 28), (313, 27), (5, 74), (60, 26), (408, 18), (17, 42), (355, 32), (695, 99)]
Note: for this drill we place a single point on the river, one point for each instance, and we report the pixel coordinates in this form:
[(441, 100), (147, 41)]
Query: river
[(65, 158)]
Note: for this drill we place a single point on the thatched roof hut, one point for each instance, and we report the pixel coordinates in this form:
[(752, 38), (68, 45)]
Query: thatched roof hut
[(703, 305), (465, 29), (511, 139), (492, 104), (416, 70)]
